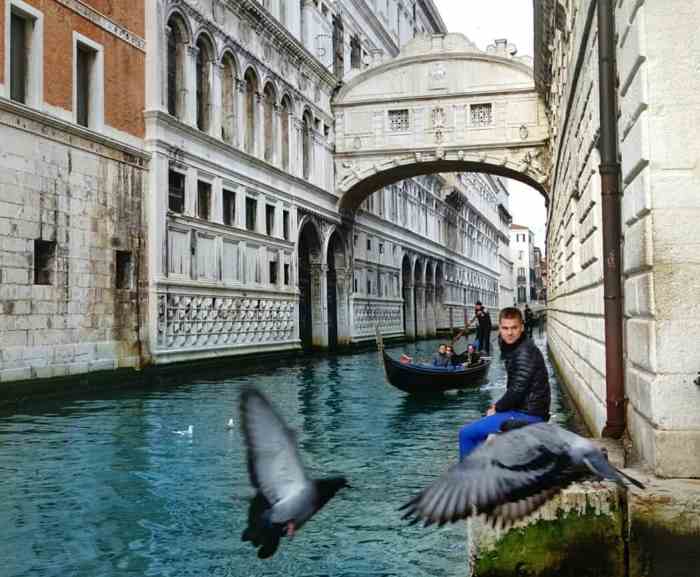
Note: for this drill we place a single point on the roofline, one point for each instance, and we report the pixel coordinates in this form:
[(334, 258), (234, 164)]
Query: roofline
[(434, 14)]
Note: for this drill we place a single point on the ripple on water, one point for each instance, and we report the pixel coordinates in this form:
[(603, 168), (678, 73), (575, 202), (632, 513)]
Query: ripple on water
[(103, 486)]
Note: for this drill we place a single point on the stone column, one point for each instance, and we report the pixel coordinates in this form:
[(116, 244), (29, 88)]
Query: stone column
[(420, 311), (216, 104), (259, 125), (240, 207), (240, 112), (217, 201), (277, 229), (409, 311), (277, 136), (190, 83), (323, 324)]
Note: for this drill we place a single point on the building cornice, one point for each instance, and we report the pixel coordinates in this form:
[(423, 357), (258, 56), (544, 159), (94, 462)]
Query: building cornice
[(69, 133), (433, 14), (377, 27)]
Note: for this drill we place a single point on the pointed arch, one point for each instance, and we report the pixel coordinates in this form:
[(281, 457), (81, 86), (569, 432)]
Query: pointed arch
[(229, 78), (286, 112), (307, 123), (269, 105), (178, 37), (251, 92), (206, 55)]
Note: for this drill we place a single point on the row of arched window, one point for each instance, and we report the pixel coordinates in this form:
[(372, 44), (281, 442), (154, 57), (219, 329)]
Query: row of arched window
[(243, 132)]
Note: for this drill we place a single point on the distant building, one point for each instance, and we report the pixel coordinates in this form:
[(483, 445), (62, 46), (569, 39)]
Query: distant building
[(506, 289), (522, 250)]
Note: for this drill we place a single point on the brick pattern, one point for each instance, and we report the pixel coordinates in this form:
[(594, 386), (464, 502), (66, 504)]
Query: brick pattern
[(88, 199)]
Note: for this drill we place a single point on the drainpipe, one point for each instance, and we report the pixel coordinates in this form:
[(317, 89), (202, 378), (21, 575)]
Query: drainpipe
[(610, 179)]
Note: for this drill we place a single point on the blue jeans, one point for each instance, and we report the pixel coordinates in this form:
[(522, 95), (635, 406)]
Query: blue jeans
[(476, 432)]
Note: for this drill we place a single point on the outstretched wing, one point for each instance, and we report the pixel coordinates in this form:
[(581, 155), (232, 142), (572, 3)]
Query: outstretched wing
[(507, 477), (274, 463)]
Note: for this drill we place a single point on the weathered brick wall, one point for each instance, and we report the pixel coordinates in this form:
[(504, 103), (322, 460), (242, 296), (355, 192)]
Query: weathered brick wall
[(88, 198), (124, 65)]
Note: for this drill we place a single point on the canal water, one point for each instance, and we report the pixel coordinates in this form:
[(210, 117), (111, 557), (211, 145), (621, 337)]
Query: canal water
[(104, 486)]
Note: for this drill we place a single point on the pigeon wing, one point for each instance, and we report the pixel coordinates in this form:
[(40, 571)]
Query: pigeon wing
[(274, 463), (513, 467)]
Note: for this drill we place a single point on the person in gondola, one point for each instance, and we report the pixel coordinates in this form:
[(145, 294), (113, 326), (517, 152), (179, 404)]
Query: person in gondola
[(440, 358), (527, 396), (483, 330), (471, 356)]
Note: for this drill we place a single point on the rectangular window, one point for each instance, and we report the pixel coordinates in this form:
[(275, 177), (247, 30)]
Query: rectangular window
[(19, 58), (369, 244), (203, 199), (481, 114), (273, 272), (285, 224), (123, 270), (398, 120), (369, 286), (229, 200), (354, 240), (354, 285), (381, 248), (269, 219), (84, 84), (287, 277), (44, 261), (355, 53), (251, 209), (176, 192)]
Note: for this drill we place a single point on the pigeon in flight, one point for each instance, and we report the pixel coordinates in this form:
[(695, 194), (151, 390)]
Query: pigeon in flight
[(511, 475), (286, 497)]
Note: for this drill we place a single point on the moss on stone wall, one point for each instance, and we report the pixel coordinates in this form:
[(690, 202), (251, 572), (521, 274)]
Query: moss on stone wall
[(573, 545)]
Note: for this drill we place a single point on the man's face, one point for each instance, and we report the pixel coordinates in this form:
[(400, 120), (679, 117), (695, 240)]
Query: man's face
[(510, 330), (441, 349)]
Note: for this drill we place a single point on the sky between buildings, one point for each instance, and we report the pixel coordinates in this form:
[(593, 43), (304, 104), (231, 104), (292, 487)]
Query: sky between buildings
[(482, 22)]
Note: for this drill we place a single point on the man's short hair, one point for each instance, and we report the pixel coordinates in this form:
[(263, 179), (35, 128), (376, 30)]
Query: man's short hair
[(477, 304), (510, 313)]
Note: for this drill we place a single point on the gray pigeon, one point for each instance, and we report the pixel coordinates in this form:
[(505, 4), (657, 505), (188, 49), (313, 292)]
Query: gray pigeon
[(512, 475), (286, 498)]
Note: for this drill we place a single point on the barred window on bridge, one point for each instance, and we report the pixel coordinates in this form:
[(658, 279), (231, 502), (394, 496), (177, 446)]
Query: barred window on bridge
[(481, 114), (398, 120)]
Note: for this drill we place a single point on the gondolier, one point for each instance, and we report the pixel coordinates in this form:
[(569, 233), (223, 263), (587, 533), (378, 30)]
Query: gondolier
[(527, 395)]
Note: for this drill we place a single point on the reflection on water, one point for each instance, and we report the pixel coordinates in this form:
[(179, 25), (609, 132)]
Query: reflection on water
[(103, 486)]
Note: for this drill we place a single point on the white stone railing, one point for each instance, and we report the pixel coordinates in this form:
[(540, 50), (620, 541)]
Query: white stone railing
[(195, 321), (368, 313)]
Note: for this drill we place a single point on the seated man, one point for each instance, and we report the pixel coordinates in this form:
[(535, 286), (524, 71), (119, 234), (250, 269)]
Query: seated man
[(527, 395), (471, 357), (441, 359)]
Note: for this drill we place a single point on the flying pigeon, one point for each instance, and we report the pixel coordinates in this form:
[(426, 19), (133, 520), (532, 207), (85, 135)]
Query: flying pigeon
[(286, 497), (511, 475)]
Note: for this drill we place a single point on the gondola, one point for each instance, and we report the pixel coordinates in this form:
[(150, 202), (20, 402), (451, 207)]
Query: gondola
[(423, 379)]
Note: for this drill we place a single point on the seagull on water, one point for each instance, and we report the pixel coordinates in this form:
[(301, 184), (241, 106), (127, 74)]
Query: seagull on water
[(511, 475), (230, 424), (286, 497), (186, 433)]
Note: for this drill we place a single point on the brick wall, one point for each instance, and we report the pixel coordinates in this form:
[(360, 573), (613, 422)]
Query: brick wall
[(86, 198), (124, 64)]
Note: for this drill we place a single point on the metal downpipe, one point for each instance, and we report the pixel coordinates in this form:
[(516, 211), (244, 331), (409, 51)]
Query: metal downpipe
[(610, 179)]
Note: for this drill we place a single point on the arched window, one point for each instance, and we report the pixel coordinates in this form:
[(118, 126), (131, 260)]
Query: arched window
[(269, 104), (284, 121), (251, 89), (205, 56), (176, 38), (228, 99), (307, 142)]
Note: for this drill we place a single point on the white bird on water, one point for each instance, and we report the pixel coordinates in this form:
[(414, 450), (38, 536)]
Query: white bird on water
[(230, 424), (186, 433)]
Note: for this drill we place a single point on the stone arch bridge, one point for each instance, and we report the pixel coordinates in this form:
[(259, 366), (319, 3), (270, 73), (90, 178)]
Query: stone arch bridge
[(442, 105)]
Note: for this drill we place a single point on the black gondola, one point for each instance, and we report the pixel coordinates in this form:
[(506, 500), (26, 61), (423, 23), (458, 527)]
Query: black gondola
[(423, 379)]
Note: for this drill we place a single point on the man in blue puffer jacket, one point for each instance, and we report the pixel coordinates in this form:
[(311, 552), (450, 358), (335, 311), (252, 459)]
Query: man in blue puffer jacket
[(527, 395)]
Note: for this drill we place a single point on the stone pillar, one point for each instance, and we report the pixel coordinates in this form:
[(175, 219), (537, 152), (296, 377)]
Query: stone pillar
[(240, 111), (216, 105), (277, 229), (420, 311), (190, 83), (323, 287), (217, 201), (260, 215), (240, 207), (409, 311), (259, 125)]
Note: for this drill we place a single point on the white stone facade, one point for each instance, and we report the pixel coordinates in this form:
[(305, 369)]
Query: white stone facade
[(522, 251), (659, 101)]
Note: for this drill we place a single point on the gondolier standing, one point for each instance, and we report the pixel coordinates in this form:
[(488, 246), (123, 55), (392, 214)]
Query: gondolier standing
[(527, 395), (483, 331)]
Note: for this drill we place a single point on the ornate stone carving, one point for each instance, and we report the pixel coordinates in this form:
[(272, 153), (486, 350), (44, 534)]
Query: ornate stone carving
[(367, 315), (188, 321)]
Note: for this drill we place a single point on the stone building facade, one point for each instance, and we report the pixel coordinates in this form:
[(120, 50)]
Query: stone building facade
[(658, 97), (73, 265), (522, 247)]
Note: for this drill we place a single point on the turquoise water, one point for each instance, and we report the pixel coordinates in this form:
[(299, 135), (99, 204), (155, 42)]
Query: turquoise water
[(102, 485)]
